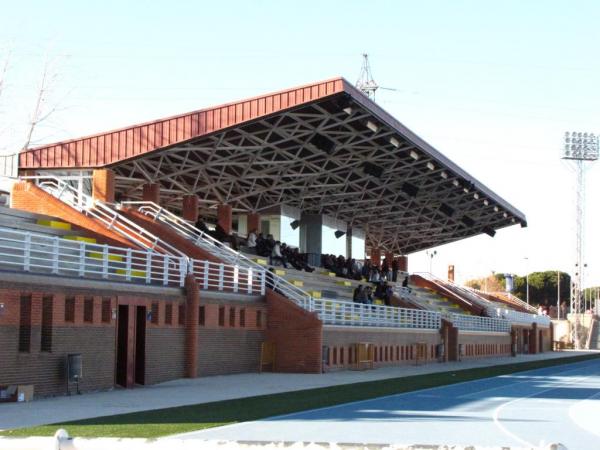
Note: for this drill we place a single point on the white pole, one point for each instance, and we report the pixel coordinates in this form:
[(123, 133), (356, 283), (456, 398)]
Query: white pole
[(558, 294)]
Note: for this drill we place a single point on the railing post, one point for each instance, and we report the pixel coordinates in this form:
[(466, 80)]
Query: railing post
[(262, 283), (55, 255), (250, 280), (165, 270), (81, 259), (105, 261), (206, 274), (128, 265), (148, 266), (236, 274), (27, 253), (221, 273), (183, 269)]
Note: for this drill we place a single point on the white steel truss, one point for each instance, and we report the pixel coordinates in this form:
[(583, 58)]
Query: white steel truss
[(320, 158)]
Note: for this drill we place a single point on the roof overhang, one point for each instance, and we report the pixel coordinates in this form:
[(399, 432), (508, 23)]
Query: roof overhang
[(324, 148)]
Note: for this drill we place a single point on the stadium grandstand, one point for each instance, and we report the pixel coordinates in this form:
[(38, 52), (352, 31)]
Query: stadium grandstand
[(130, 257)]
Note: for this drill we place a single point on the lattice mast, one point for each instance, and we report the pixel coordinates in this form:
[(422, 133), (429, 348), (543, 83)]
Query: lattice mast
[(365, 81), (579, 149)]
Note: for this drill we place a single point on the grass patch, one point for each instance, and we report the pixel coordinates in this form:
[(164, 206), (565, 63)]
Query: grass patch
[(181, 419)]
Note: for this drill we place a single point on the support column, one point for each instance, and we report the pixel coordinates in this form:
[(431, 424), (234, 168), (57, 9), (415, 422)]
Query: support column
[(192, 303), (533, 339), (376, 256), (224, 217), (513, 341), (253, 222), (390, 257), (189, 208), (103, 185), (403, 263), (451, 273), (151, 193)]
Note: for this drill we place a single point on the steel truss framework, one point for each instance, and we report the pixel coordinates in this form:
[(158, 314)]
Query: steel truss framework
[(274, 161)]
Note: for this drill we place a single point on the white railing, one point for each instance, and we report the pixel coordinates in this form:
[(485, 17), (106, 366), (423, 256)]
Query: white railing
[(218, 249), (38, 253), (103, 212), (475, 323), (225, 277), (337, 312), (508, 297), (9, 165), (517, 317)]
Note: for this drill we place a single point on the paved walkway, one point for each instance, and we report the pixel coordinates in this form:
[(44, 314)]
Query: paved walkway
[(209, 389)]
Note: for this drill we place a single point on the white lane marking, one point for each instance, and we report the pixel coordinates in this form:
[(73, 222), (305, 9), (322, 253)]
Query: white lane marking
[(585, 419), (475, 393), (496, 414)]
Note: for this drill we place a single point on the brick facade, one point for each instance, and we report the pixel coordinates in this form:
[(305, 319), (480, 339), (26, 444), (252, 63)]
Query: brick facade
[(297, 334), (391, 346), (480, 344)]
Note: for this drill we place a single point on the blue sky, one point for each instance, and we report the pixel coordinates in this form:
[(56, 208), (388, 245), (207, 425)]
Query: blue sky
[(492, 85)]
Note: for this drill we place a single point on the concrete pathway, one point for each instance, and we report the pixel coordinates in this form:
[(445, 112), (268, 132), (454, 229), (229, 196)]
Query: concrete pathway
[(209, 389)]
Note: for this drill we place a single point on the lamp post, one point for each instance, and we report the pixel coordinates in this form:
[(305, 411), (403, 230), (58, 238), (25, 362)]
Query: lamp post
[(527, 279), (430, 255), (558, 294)]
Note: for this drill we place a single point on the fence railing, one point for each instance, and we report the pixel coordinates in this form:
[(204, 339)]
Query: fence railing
[(518, 317), (9, 165), (514, 300), (218, 249), (52, 255), (38, 253), (337, 312), (103, 212), (476, 323)]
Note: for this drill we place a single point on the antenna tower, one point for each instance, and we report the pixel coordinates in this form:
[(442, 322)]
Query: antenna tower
[(365, 82)]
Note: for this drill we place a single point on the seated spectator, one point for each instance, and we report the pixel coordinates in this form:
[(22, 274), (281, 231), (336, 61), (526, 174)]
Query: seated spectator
[(374, 277), (262, 246), (405, 284), (251, 241), (296, 260), (369, 295), (220, 234), (355, 294), (276, 255), (395, 268), (201, 225)]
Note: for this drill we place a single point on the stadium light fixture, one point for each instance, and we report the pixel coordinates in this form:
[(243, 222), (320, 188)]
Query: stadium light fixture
[(476, 196), (295, 224), (580, 146), (496, 209), (444, 175), (395, 142), (455, 183), (430, 165), (372, 126), (339, 234), (505, 215), (348, 110), (414, 155), (485, 202)]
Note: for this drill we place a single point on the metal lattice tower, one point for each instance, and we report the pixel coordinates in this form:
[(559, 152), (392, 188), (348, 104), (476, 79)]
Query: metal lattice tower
[(365, 81), (579, 149)]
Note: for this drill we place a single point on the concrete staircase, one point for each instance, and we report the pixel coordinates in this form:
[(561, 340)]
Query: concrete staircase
[(432, 301)]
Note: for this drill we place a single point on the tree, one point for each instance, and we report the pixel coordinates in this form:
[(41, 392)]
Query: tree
[(543, 287)]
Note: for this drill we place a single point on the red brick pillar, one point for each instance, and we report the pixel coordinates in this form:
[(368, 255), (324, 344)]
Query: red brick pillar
[(451, 272), (189, 209), (513, 341), (390, 257), (533, 339), (253, 222), (403, 263), (192, 293), (224, 217), (453, 350), (376, 257), (103, 185), (151, 193)]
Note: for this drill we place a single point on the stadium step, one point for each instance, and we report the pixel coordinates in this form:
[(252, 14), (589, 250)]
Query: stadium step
[(88, 240), (261, 261), (98, 255), (315, 294), (298, 283), (54, 224), (327, 273), (279, 272), (134, 273)]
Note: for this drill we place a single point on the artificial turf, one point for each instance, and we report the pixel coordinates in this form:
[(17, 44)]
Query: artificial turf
[(181, 419)]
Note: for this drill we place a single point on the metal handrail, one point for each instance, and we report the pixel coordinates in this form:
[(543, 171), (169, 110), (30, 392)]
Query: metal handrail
[(514, 300), (519, 317), (476, 323), (39, 253), (103, 212), (214, 247), (339, 312)]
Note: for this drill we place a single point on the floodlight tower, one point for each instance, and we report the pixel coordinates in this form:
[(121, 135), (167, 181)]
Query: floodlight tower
[(579, 149)]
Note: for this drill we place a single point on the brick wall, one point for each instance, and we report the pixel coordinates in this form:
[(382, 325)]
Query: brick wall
[(391, 346), (297, 335), (165, 352), (28, 197), (479, 345)]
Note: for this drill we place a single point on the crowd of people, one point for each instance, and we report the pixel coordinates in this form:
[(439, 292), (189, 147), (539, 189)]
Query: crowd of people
[(277, 252)]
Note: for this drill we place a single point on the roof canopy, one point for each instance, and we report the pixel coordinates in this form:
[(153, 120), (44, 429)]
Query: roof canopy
[(323, 148)]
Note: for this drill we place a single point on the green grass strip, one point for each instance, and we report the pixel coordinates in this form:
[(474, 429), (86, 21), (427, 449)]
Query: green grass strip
[(181, 419)]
